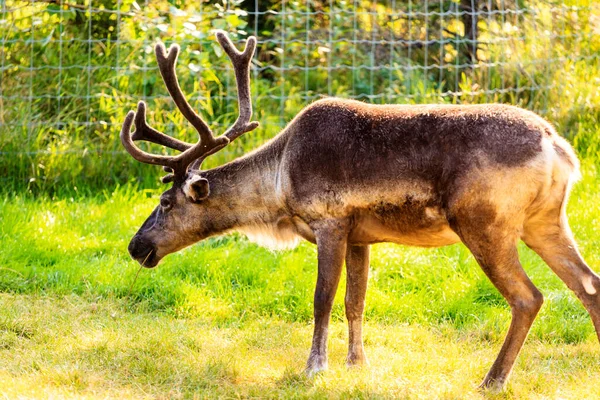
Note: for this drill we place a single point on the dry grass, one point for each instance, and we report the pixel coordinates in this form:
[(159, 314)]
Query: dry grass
[(74, 347)]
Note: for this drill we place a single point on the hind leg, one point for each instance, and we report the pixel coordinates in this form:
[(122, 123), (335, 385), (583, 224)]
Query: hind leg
[(494, 247), (549, 236)]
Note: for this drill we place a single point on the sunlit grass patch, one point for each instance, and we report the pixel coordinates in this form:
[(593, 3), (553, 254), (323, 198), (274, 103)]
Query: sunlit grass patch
[(99, 349), (62, 246)]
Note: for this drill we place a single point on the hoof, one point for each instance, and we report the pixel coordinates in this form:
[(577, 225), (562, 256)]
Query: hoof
[(356, 361), (493, 385), (315, 365), (311, 372)]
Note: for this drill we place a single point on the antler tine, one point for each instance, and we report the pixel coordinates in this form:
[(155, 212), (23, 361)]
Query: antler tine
[(145, 132), (177, 164), (166, 64), (241, 65), (136, 152)]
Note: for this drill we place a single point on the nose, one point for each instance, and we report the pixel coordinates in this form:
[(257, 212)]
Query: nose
[(139, 248)]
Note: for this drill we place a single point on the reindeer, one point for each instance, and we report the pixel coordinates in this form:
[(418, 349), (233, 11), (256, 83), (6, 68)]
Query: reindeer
[(344, 175)]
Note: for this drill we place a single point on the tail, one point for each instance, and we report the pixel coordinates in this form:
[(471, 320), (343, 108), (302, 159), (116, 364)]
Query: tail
[(567, 157), (565, 170)]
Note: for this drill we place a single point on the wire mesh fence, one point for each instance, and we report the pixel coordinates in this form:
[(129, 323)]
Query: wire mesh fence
[(70, 70)]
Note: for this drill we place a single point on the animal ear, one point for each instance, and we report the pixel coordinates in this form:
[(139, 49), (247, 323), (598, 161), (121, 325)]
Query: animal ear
[(197, 189)]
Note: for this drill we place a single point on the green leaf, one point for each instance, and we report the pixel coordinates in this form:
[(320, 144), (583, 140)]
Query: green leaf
[(53, 9), (219, 23), (47, 39)]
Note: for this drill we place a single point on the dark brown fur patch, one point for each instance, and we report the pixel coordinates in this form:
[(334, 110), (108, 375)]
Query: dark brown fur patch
[(341, 143)]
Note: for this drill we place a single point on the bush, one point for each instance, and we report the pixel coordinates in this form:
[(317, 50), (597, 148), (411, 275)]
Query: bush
[(71, 73)]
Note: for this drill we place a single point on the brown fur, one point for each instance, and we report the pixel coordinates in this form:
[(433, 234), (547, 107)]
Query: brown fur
[(345, 174)]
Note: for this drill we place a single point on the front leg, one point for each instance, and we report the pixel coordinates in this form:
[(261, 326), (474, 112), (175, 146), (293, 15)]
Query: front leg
[(331, 237), (357, 273)]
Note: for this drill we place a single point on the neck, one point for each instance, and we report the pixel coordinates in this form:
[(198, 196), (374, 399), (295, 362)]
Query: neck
[(245, 191)]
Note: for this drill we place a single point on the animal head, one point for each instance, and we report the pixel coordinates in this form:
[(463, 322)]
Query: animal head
[(186, 210)]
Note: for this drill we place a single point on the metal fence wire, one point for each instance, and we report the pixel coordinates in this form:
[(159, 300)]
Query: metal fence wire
[(70, 70)]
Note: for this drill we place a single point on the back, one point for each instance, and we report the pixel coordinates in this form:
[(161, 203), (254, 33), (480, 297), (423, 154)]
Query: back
[(337, 145)]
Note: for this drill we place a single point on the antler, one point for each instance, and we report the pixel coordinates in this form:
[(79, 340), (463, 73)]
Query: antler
[(241, 65), (207, 144), (147, 133)]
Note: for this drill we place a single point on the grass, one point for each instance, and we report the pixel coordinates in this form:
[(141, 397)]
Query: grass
[(73, 346), (227, 318)]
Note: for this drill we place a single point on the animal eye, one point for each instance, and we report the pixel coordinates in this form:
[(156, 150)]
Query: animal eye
[(165, 203)]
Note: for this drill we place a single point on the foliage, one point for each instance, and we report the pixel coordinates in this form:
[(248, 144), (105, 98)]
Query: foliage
[(71, 73)]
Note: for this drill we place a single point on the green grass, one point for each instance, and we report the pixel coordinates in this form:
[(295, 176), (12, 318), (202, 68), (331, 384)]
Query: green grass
[(228, 318)]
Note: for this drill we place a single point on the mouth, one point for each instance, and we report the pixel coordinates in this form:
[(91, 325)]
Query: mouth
[(150, 260)]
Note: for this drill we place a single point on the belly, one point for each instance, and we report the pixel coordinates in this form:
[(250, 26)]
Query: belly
[(404, 212), (412, 226)]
